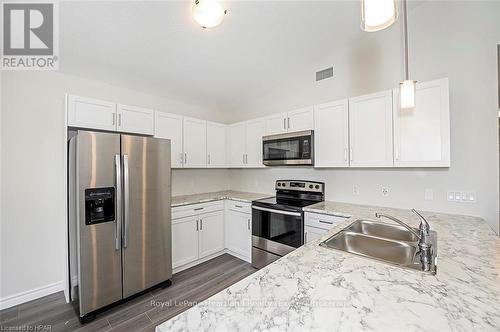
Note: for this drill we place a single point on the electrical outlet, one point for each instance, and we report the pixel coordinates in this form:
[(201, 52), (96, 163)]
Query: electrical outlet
[(355, 190), (462, 196), (429, 195), (385, 191)]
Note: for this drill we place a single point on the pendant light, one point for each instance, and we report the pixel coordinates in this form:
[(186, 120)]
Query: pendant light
[(208, 13), (407, 88), (378, 14)]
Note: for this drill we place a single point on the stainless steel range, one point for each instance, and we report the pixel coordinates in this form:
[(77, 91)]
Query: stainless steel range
[(278, 222)]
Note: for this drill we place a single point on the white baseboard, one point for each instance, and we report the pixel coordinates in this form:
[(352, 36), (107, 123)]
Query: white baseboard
[(33, 294)]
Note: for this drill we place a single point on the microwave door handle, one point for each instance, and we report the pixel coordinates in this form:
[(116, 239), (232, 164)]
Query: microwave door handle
[(288, 213)]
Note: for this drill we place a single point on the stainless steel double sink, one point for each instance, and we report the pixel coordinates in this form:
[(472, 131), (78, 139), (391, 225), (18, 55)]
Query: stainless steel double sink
[(384, 242)]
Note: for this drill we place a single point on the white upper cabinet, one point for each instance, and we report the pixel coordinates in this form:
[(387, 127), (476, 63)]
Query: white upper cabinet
[(255, 129), (132, 119), (422, 134), (91, 113), (236, 144), (216, 144), (301, 119), (195, 148), (331, 134), (370, 126), (276, 124), (169, 126)]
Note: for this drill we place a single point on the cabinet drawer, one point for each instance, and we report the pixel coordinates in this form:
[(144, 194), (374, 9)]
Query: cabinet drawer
[(239, 206), (195, 209), (323, 221)]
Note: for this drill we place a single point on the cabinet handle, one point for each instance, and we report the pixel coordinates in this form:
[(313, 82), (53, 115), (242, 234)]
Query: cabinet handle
[(284, 123), (243, 156), (209, 158), (119, 120), (246, 159), (197, 225), (326, 222), (185, 158), (114, 117), (305, 237), (248, 224), (198, 209), (201, 224), (182, 158), (239, 206), (288, 123)]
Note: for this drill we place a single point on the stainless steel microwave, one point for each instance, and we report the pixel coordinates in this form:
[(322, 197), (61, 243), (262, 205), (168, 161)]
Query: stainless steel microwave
[(288, 149)]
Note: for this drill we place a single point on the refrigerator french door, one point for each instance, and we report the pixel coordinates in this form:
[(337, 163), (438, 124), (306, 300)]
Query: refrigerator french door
[(119, 222)]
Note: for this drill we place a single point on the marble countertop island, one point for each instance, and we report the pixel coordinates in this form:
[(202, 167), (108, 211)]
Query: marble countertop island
[(217, 196), (320, 289)]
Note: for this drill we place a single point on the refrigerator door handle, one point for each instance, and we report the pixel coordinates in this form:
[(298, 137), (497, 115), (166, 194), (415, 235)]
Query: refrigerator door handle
[(126, 201), (118, 206)]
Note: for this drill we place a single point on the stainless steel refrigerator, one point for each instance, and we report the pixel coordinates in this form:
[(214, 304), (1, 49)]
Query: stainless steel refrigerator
[(119, 196)]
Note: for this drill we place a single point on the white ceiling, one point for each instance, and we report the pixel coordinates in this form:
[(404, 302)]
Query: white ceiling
[(156, 47)]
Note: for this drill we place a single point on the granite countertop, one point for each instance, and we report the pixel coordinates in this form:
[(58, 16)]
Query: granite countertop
[(216, 196), (318, 289)]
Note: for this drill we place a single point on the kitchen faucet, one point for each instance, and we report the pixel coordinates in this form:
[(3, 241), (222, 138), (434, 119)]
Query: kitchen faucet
[(424, 244)]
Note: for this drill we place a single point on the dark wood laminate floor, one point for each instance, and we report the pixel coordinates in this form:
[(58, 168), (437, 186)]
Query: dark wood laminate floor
[(144, 313)]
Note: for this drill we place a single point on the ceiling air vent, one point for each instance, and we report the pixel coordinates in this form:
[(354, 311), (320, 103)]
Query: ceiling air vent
[(324, 74)]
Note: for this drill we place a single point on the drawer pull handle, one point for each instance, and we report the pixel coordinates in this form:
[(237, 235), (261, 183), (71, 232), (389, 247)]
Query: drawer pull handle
[(326, 222), (239, 206), (198, 209)]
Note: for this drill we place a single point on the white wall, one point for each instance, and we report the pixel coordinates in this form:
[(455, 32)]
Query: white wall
[(32, 171), (457, 40)]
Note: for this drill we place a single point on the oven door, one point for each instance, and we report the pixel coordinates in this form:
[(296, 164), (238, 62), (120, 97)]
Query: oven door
[(288, 149), (277, 231)]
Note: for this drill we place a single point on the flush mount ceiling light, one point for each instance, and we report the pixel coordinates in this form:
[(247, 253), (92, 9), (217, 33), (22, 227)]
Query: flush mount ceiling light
[(208, 13), (378, 14), (407, 88)]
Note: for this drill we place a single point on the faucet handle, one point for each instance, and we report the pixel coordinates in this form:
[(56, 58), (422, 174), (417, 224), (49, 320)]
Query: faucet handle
[(424, 225)]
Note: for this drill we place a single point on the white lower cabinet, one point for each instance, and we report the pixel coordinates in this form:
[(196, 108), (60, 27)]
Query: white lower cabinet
[(211, 233), (316, 225), (239, 234), (312, 233), (184, 241), (198, 235)]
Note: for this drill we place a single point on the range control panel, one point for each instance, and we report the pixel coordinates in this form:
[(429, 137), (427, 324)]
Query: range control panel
[(298, 185)]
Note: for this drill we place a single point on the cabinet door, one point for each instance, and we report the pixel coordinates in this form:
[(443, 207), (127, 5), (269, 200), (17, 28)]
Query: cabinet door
[(276, 124), (301, 119), (137, 120), (236, 146), (255, 130), (91, 113), (184, 241), (195, 144), (211, 234), (422, 134), (216, 144), (169, 126), (331, 134), (239, 233), (312, 233), (370, 126)]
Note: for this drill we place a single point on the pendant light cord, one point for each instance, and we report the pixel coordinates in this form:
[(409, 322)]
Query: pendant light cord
[(405, 34)]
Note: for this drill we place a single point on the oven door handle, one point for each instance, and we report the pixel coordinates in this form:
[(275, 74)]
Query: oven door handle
[(289, 213)]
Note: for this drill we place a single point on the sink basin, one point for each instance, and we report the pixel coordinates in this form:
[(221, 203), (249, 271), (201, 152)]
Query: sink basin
[(388, 231), (395, 252), (388, 243)]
